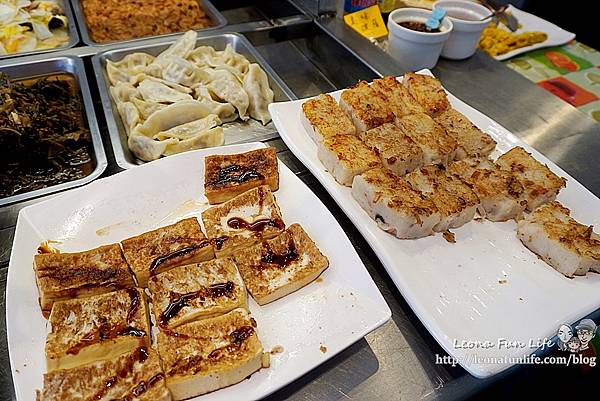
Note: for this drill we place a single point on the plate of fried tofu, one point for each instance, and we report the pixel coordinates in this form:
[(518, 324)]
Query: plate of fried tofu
[(211, 275), (490, 243)]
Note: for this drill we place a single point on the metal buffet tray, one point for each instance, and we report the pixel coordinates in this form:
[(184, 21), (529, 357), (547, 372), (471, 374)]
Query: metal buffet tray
[(235, 132), (73, 36), (17, 69), (211, 11)]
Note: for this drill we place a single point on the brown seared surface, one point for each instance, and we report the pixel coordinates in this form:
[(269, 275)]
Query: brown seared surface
[(327, 117), (397, 97), (352, 152), (367, 104), (428, 92), (427, 133), (391, 144), (475, 142)]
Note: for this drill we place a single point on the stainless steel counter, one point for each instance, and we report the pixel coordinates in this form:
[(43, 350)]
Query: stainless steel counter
[(397, 361)]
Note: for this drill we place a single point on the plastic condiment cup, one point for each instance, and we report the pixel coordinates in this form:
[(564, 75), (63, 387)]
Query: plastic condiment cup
[(466, 17), (415, 50)]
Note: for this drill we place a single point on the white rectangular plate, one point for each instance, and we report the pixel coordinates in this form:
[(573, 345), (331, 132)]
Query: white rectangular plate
[(333, 312), (486, 286), (556, 35)]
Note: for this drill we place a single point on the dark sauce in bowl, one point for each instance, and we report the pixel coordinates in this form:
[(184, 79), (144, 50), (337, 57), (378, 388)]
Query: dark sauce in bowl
[(418, 26)]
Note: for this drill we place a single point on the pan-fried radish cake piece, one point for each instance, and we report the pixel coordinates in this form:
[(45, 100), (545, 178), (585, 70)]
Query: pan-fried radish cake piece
[(472, 142), (568, 246), (96, 328), (61, 276), (438, 147), (396, 207), (456, 202), (322, 117), (159, 250), (243, 221), (365, 107), (281, 265), (500, 193), (135, 375), (206, 355), (541, 185), (196, 291), (397, 97), (397, 151), (346, 156), (428, 92), (226, 176)]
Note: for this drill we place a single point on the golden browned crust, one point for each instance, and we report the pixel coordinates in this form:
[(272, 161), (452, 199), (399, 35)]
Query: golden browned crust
[(282, 261), (243, 221), (226, 176), (428, 134), (81, 323), (367, 105), (162, 249), (210, 346), (71, 275), (392, 145), (399, 100), (326, 116), (351, 152), (136, 374), (196, 291), (471, 139), (428, 92)]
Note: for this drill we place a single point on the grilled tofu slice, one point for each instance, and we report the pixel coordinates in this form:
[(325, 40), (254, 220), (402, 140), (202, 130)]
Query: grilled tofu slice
[(159, 250), (396, 96), (322, 117), (396, 207), (243, 221), (397, 151), (541, 185), (365, 107), (96, 328), (281, 265), (500, 193), (428, 92), (61, 276), (196, 291), (472, 142), (210, 354), (568, 246), (227, 176), (455, 201), (438, 147), (135, 375), (346, 156)]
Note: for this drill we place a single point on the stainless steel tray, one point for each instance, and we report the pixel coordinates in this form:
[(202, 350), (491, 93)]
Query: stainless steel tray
[(216, 17), (73, 36), (18, 69), (235, 132)]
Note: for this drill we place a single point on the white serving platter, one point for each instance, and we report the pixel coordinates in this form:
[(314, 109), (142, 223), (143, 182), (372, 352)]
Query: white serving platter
[(312, 324), (485, 287), (556, 35)]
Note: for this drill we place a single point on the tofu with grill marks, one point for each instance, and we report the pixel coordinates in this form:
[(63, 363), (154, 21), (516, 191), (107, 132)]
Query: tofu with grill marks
[(571, 248), (500, 193), (397, 97), (322, 117), (346, 156), (472, 142), (438, 147), (397, 151), (456, 202), (540, 183), (396, 207), (428, 92), (365, 107)]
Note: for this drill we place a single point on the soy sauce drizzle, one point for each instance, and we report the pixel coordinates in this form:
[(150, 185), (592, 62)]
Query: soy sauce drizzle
[(140, 355), (235, 173), (282, 259), (237, 337), (156, 263), (179, 301), (104, 333), (220, 241), (257, 226), (134, 296)]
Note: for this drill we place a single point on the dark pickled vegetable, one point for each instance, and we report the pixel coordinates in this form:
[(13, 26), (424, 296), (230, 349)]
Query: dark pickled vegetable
[(44, 140)]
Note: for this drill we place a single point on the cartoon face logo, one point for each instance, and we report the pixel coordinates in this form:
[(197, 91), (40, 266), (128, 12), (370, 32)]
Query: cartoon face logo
[(573, 345), (565, 332), (586, 330)]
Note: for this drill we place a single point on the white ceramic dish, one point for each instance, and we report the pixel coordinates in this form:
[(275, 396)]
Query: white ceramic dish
[(556, 35), (486, 286), (333, 312)]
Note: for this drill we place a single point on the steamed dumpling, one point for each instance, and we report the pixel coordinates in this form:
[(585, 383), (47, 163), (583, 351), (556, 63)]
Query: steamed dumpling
[(123, 92), (188, 130), (134, 63), (172, 116), (153, 91), (181, 48), (224, 85), (182, 72), (206, 139), (206, 56), (256, 85), (225, 111), (115, 75), (145, 148), (129, 115), (147, 108)]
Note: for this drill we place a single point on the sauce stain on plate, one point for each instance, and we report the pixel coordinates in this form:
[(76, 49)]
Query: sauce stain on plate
[(189, 208)]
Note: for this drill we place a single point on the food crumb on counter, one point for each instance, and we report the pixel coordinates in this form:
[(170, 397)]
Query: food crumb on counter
[(323, 348), (276, 350), (449, 236)]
